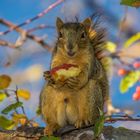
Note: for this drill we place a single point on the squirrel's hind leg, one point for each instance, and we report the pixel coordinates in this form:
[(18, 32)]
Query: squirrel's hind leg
[(50, 128)]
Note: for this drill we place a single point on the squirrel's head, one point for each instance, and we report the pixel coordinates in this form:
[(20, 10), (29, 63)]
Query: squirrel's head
[(73, 37)]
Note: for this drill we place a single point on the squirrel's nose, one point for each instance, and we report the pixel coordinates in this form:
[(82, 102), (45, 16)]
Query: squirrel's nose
[(70, 53)]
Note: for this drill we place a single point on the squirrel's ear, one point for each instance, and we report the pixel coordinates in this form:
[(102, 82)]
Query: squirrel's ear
[(87, 23), (59, 23)]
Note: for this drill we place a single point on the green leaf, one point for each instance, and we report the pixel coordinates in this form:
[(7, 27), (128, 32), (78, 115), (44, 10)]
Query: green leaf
[(99, 124), (50, 138), (132, 3), (6, 123), (11, 107), (2, 96), (129, 80), (38, 111)]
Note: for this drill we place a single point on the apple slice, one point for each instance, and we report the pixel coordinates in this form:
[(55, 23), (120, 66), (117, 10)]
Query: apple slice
[(64, 72)]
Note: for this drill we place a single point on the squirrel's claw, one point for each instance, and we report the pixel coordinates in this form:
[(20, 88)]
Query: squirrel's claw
[(80, 123), (87, 122), (48, 77)]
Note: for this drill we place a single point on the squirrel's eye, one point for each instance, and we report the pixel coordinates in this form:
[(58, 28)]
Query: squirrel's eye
[(83, 35), (60, 35)]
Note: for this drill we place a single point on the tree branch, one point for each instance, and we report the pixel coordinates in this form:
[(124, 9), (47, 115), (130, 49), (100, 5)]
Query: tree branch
[(21, 31), (6, 43), (109, 133), (33, 18)]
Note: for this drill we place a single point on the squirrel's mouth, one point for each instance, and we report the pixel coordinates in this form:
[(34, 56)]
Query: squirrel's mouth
[(70, 53)]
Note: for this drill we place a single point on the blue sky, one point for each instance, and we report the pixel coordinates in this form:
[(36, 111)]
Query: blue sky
[(17, 11)]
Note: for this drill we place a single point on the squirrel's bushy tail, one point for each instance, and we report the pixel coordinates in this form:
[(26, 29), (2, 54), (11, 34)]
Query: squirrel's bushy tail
[(97, 37)]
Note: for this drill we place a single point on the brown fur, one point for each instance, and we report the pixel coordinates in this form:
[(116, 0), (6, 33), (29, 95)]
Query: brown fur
[(77, 101)]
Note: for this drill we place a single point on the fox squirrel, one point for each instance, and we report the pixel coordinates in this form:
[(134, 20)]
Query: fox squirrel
[(76, 100)]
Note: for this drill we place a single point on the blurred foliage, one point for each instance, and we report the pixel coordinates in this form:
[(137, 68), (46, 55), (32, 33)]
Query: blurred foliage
[(111, 47), (13, 108), (6, 123), (5, 81), (132, 40), (38, 111), (131, 76), (99, 124), (23, 93), (2, 96), (129, 80), (132, 3)]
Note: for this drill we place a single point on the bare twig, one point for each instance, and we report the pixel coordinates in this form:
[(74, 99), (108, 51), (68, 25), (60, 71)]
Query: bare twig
[(6, 43), (34, 18), (124, 18), (117, 117), (121, 25), (21, 31), (118, 56), (17, 99), (42, 26), (113, 120)]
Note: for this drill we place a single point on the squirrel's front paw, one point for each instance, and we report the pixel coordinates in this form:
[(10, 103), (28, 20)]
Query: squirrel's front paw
[(72, 82), (59, 84), (48, 76)]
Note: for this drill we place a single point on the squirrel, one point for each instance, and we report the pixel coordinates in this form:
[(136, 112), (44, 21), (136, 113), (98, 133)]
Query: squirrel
[(77, 102)]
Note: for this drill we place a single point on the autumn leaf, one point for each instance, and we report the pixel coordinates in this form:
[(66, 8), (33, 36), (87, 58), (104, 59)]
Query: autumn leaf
[(5, 81), (6, 123), (11, 107), (23, 121), (34, 124), (2, 96), (23, 93), (19, 118)]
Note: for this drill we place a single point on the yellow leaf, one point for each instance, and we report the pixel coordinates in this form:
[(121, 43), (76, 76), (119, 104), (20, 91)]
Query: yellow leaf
[(2, 96), (6, 123), (10, 127), (34, 124), (23, 121), (23, 93), (111, 47), (19, 118), (5, 81), (132, 40)]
